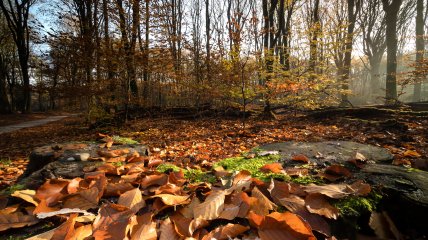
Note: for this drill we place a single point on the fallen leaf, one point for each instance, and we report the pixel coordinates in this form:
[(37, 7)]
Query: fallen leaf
[(167, 231), (318, 204), (85, 199), (272, 167), (132, 199), (65, 230), (111, 222), (63, 211), (212, 207), (52, 191), (228, 231), (16, 220), (10, 209), (145, 229), (298, 172), (411, 153), (154, 180), (173, 200), (82, 232), (116, 189), (300, 158), (27, 195)]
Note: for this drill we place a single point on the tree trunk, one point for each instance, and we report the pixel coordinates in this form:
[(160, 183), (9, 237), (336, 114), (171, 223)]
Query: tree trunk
[(391, 15), (420, 50), (353, 9), (4, 101), (315, 29)]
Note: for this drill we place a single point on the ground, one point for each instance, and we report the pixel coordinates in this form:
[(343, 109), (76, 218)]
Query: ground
[(191, 141), (193, 161)]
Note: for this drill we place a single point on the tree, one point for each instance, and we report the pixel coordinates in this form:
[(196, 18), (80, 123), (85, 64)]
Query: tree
[(391, 16), (17, 14), (420, 50)]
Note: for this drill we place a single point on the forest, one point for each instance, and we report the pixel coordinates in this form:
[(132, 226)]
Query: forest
[(213, 119), (106, 56)]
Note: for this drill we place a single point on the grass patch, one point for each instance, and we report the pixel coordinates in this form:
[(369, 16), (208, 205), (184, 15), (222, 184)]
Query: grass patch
[(305, 180), (5, 162)]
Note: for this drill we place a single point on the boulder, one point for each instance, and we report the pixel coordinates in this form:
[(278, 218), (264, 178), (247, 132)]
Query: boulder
[(68, 160), (329, 151)]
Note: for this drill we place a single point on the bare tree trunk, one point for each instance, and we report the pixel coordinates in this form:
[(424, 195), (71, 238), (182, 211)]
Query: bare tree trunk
[(4, 101), (208, 33), (420, 51), (17, 21), (391, 14), (315, 32)]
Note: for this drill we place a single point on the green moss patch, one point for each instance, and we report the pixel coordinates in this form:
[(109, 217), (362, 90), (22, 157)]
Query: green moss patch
[(355, 206), (193, 175), (166, 167), (252, 165), (123, 140)]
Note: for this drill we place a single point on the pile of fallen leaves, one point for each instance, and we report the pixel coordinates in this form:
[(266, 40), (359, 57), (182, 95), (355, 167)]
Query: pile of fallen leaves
[(132, 200)]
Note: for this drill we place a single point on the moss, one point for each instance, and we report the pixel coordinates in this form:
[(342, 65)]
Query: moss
[(305, 180), (123, 140), (118, 164), (355, 206), (196, 175), (252, 165), (12, 189), (5, 162), (165, 167)]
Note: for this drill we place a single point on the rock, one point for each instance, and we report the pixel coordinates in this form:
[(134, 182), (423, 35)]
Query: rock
[(68, 160), (408, 182), (329, 151)]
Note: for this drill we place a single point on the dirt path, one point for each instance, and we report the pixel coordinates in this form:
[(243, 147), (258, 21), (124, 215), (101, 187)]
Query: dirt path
[(11, 128)]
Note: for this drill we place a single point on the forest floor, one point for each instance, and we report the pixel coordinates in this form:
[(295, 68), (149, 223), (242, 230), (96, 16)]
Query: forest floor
[(192, 145), (212, 139)]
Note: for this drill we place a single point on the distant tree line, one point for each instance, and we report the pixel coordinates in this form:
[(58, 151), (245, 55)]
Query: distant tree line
[(101, 55)]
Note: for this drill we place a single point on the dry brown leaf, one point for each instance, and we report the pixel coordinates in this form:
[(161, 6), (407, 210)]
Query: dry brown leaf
[(284, 226), (185, 227), (298, 172), (85, 199), (52, 191), (75, 185), (241, 182), (286, 194), (111, 222), (265, 204), (167, 231), (212, 207), (338, 170), (300, 158), (360, 188), (317, 222), (332, 190), (16, 220), (132, 199), (318, 204), (173, 200), (116, 189), (154, 180), (145, 228), (27, 195), (42, 207), (228, 231), (187, 211), (62, 211), (411, 153), (10, 209), (82, 232), (66, 230), (272, 167)]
